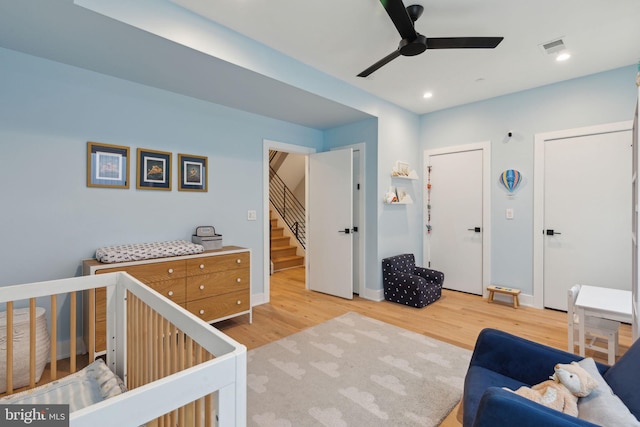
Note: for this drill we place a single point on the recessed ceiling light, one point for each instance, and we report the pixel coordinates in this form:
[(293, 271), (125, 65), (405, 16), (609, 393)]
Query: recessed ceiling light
[(427, 95), (563, 56)]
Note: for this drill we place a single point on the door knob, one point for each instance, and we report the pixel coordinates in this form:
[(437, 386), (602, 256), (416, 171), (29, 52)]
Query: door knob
[(551, 232), (475, 229), (345, 231)]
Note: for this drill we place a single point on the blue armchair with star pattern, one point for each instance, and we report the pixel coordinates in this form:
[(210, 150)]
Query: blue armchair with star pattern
[(407, 284)]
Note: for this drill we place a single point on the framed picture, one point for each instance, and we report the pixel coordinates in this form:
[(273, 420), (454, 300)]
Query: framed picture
[(107, 165), (154, 170), (402, 168), (193, 173)]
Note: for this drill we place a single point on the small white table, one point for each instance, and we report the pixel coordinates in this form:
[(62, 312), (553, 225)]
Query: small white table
[(606, 303)]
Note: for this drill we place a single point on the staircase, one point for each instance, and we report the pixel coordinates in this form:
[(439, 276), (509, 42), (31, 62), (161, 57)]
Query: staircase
[(283, 255)]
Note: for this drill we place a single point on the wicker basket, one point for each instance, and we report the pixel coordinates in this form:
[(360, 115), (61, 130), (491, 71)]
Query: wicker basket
[(21, 337)]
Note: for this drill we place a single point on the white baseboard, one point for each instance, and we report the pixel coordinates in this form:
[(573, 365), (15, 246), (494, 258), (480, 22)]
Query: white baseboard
[(373, 295)]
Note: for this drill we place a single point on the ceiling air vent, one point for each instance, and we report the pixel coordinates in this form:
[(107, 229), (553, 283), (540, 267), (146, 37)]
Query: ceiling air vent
[(553, 47)]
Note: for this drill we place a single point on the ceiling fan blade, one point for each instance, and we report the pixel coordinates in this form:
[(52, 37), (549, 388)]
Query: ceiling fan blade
[(400, 18), (380, 64), (463, 42)]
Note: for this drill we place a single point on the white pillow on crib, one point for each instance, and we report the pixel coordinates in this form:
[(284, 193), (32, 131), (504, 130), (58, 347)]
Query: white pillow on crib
[(90, 385)]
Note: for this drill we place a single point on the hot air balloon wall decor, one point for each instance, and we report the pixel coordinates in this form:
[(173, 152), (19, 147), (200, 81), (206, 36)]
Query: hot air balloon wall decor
[(511, 180)]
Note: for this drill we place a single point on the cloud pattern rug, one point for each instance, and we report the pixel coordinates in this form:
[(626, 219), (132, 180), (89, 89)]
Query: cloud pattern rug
[(354, 371)]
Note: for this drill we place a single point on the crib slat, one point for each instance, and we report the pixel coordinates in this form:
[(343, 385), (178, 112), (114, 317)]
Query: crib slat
[(167, 360), (156, 346), (208, 408), (134, 371), (53, 364), (9, 347), (145, 345), (139, 355), (129, 355), (73, 350), (32, 342), (92, 325), (199, 401)]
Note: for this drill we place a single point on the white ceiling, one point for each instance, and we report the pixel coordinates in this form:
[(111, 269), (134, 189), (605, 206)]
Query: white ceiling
[(341, 38)]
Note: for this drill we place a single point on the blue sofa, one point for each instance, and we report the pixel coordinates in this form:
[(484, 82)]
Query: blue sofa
[(504, 360)]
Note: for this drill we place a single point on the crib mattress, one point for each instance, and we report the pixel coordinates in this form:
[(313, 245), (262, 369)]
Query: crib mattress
[(142, 251), (90, 385)]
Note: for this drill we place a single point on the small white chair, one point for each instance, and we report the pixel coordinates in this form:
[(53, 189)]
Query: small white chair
[(600, 334)]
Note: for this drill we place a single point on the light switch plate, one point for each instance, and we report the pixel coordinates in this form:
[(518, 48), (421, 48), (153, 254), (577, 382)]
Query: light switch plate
[(251, 215), (509, 213)]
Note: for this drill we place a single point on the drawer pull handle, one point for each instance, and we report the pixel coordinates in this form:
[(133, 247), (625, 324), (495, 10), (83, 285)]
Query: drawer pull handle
[(170, 293), (201, 266), (239, 302), (238, 280), (238, 261), (201, 311), (201, 287), (170, 271)]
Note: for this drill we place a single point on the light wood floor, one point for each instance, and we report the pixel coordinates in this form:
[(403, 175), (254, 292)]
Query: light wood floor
[(456, 318)]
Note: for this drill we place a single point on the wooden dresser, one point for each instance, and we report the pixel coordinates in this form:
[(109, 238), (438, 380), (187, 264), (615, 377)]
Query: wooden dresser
[(214, 285)]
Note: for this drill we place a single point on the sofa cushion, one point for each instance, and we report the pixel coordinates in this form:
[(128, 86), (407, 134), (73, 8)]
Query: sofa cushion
[(477, 381), (602, 406), (624, 377)]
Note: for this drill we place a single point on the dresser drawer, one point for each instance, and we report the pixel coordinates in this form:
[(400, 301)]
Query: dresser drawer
[(214, 264), (152, 272), (206, 285), (212, 308), (172, 289)]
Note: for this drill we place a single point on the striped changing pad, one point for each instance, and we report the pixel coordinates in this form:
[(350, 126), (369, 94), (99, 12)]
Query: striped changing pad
[(142, 251), (90, 385)]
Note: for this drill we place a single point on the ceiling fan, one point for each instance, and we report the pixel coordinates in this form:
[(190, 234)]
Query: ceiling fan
[(414, 43)]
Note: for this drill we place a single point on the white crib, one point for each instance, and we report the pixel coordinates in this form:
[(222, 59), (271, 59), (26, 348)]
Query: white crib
[(178, 370)]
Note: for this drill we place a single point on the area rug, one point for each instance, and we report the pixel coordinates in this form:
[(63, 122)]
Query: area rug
[(354, 371)]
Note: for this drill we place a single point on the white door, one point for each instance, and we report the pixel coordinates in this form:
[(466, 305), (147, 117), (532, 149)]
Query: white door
[(587, 194), (356, 215), (456, 200), (330, 222)]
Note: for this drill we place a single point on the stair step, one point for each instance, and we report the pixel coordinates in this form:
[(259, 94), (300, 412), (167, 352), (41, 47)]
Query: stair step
[(287, 262), (280, 241), (277, 231), (283, 251)]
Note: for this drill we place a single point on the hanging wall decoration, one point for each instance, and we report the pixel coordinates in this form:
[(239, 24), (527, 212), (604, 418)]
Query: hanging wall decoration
[(511, 179), (428, 199)]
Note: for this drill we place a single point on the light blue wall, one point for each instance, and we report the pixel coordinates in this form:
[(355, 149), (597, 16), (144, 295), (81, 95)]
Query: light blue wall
[(50, 220), (600, 98), (398, 227)]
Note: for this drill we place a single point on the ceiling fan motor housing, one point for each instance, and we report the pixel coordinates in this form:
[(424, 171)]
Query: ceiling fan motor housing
[(413, 47)]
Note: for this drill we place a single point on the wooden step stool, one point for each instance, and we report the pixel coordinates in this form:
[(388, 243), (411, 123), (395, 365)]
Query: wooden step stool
[(502, 290)]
